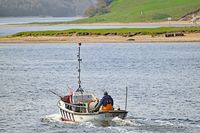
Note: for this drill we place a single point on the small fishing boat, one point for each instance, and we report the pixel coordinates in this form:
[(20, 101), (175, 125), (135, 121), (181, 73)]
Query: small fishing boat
[(79, 106)]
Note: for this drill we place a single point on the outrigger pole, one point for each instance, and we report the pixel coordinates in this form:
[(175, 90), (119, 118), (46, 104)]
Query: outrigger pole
[(79, 69), (56, 94)]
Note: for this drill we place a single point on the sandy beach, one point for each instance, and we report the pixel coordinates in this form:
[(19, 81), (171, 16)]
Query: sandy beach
[(189, 37), (192, 37), (161, 23)]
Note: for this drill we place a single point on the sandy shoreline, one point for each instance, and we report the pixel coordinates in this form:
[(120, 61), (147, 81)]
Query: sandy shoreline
[(192, 37), (162, 23)]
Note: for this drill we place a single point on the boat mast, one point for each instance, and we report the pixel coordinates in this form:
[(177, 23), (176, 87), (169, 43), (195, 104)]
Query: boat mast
[(79, 69)]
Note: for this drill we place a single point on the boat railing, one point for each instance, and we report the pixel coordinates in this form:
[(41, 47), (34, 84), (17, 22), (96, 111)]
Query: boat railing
[(81, 108)]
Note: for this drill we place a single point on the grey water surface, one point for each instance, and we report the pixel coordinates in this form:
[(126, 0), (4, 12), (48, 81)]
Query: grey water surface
[(163, 81), (7, 29)]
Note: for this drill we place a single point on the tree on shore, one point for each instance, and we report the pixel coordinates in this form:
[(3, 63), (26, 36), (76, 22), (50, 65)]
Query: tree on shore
[(102, 7)]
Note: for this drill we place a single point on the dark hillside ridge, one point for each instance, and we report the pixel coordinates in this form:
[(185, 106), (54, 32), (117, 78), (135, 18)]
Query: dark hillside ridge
[(55, 8)]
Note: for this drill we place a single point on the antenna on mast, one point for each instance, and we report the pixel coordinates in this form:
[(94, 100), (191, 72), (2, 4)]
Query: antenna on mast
[(79, 69)]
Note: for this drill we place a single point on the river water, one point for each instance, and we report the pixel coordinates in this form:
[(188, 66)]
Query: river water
[(7, 29), (163, 81)]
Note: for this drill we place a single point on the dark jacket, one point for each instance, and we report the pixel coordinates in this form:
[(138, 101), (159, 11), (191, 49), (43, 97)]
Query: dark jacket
[(107, 99)]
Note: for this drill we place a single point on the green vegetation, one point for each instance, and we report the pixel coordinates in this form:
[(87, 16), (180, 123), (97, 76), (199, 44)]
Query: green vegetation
[(106, 32), (144, 11)]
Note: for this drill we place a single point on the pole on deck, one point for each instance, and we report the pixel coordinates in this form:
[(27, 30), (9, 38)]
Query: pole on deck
[(126, 98)]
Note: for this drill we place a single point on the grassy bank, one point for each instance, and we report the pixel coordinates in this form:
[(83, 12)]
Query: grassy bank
[(145, 11), (110, 32)]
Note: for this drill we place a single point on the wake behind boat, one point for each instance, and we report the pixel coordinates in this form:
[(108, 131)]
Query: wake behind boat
[(81, 106)]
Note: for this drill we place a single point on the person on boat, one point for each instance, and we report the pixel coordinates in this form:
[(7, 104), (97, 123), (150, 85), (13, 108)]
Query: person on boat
[(106, 103)]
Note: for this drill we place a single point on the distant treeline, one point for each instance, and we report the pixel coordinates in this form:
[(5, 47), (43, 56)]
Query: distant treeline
[(55, 8)]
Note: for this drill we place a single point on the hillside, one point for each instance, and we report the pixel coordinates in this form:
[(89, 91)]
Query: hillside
[(55, 8), (145, 10)]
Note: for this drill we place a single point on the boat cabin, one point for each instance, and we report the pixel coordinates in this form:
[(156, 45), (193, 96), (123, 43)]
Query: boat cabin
[(80, 102), (79, 97)]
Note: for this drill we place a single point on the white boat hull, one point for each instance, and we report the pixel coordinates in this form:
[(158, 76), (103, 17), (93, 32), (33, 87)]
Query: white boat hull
[(69, 115)]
